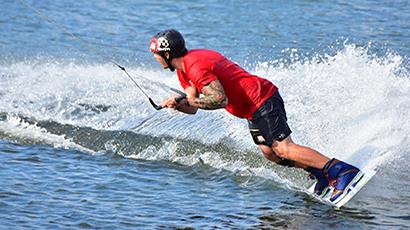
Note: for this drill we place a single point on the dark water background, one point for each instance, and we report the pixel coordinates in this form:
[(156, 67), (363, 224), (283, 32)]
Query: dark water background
[(80, 146)]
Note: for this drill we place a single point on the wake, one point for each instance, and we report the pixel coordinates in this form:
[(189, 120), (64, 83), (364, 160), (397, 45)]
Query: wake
[(353, 106)]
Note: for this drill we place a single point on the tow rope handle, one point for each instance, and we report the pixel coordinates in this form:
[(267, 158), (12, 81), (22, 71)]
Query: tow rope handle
[(181, 97)]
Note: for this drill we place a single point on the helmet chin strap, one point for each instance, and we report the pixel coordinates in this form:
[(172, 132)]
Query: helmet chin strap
[(170, 66)]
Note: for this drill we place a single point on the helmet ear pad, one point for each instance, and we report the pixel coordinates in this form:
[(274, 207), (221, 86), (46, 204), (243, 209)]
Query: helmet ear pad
[(167, 57)]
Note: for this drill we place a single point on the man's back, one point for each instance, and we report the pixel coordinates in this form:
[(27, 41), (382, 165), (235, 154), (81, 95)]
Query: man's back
[(245, 92)]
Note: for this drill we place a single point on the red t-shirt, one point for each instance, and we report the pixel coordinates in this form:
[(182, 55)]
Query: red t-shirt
[(245, 92)]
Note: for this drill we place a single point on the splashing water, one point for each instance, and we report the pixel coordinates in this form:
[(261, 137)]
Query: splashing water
[(353, 106)]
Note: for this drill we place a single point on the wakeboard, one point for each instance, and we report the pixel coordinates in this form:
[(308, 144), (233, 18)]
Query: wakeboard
[(358, 182)]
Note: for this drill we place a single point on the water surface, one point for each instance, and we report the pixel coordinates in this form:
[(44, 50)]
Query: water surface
[(81, 147)]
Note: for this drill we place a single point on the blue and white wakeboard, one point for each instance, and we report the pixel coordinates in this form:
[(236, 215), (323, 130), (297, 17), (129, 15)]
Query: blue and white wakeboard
[(358, 182)]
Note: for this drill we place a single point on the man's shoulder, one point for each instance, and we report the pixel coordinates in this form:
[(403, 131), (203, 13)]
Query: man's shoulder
[(202, 54), (197, 59), (202, 50)]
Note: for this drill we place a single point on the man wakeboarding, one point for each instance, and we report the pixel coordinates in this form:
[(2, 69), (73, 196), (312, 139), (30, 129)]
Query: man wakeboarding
[(211, 82)]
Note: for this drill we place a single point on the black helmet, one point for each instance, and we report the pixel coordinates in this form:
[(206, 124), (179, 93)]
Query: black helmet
[(170, 41)]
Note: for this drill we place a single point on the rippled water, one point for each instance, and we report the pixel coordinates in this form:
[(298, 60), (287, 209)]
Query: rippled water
[(81, 147)]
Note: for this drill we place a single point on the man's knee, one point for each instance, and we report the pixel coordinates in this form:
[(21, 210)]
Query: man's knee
[(282, 150), (268, 153), (272, 156)]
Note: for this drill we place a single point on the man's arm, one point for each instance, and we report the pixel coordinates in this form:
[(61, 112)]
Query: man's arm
[(213, 97), (183, 106)]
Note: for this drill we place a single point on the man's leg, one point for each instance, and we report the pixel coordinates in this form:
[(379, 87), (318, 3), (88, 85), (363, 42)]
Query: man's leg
[(339, 173), (287, 149), (270, 155), (269, 128), (314, 172)]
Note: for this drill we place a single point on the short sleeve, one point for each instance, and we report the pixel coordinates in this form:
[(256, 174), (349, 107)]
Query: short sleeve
[(183, 80), (202, 77)]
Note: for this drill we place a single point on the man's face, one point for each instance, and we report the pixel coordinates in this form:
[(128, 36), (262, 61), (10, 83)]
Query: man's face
[(161, 60)]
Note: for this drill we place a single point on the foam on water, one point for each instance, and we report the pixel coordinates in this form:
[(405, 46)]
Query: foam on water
[(352, 105), (32, 134)]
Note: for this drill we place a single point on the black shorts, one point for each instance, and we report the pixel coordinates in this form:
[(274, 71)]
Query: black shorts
[(269, 122)]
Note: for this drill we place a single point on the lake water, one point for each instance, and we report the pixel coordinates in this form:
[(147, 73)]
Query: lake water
[(81, 147)]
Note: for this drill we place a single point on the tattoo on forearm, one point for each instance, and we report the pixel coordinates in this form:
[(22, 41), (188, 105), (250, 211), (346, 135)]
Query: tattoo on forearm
[(214, 97)]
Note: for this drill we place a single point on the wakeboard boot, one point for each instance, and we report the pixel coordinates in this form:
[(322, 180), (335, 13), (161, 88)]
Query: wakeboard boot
[(340, 175), (322, 181)]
